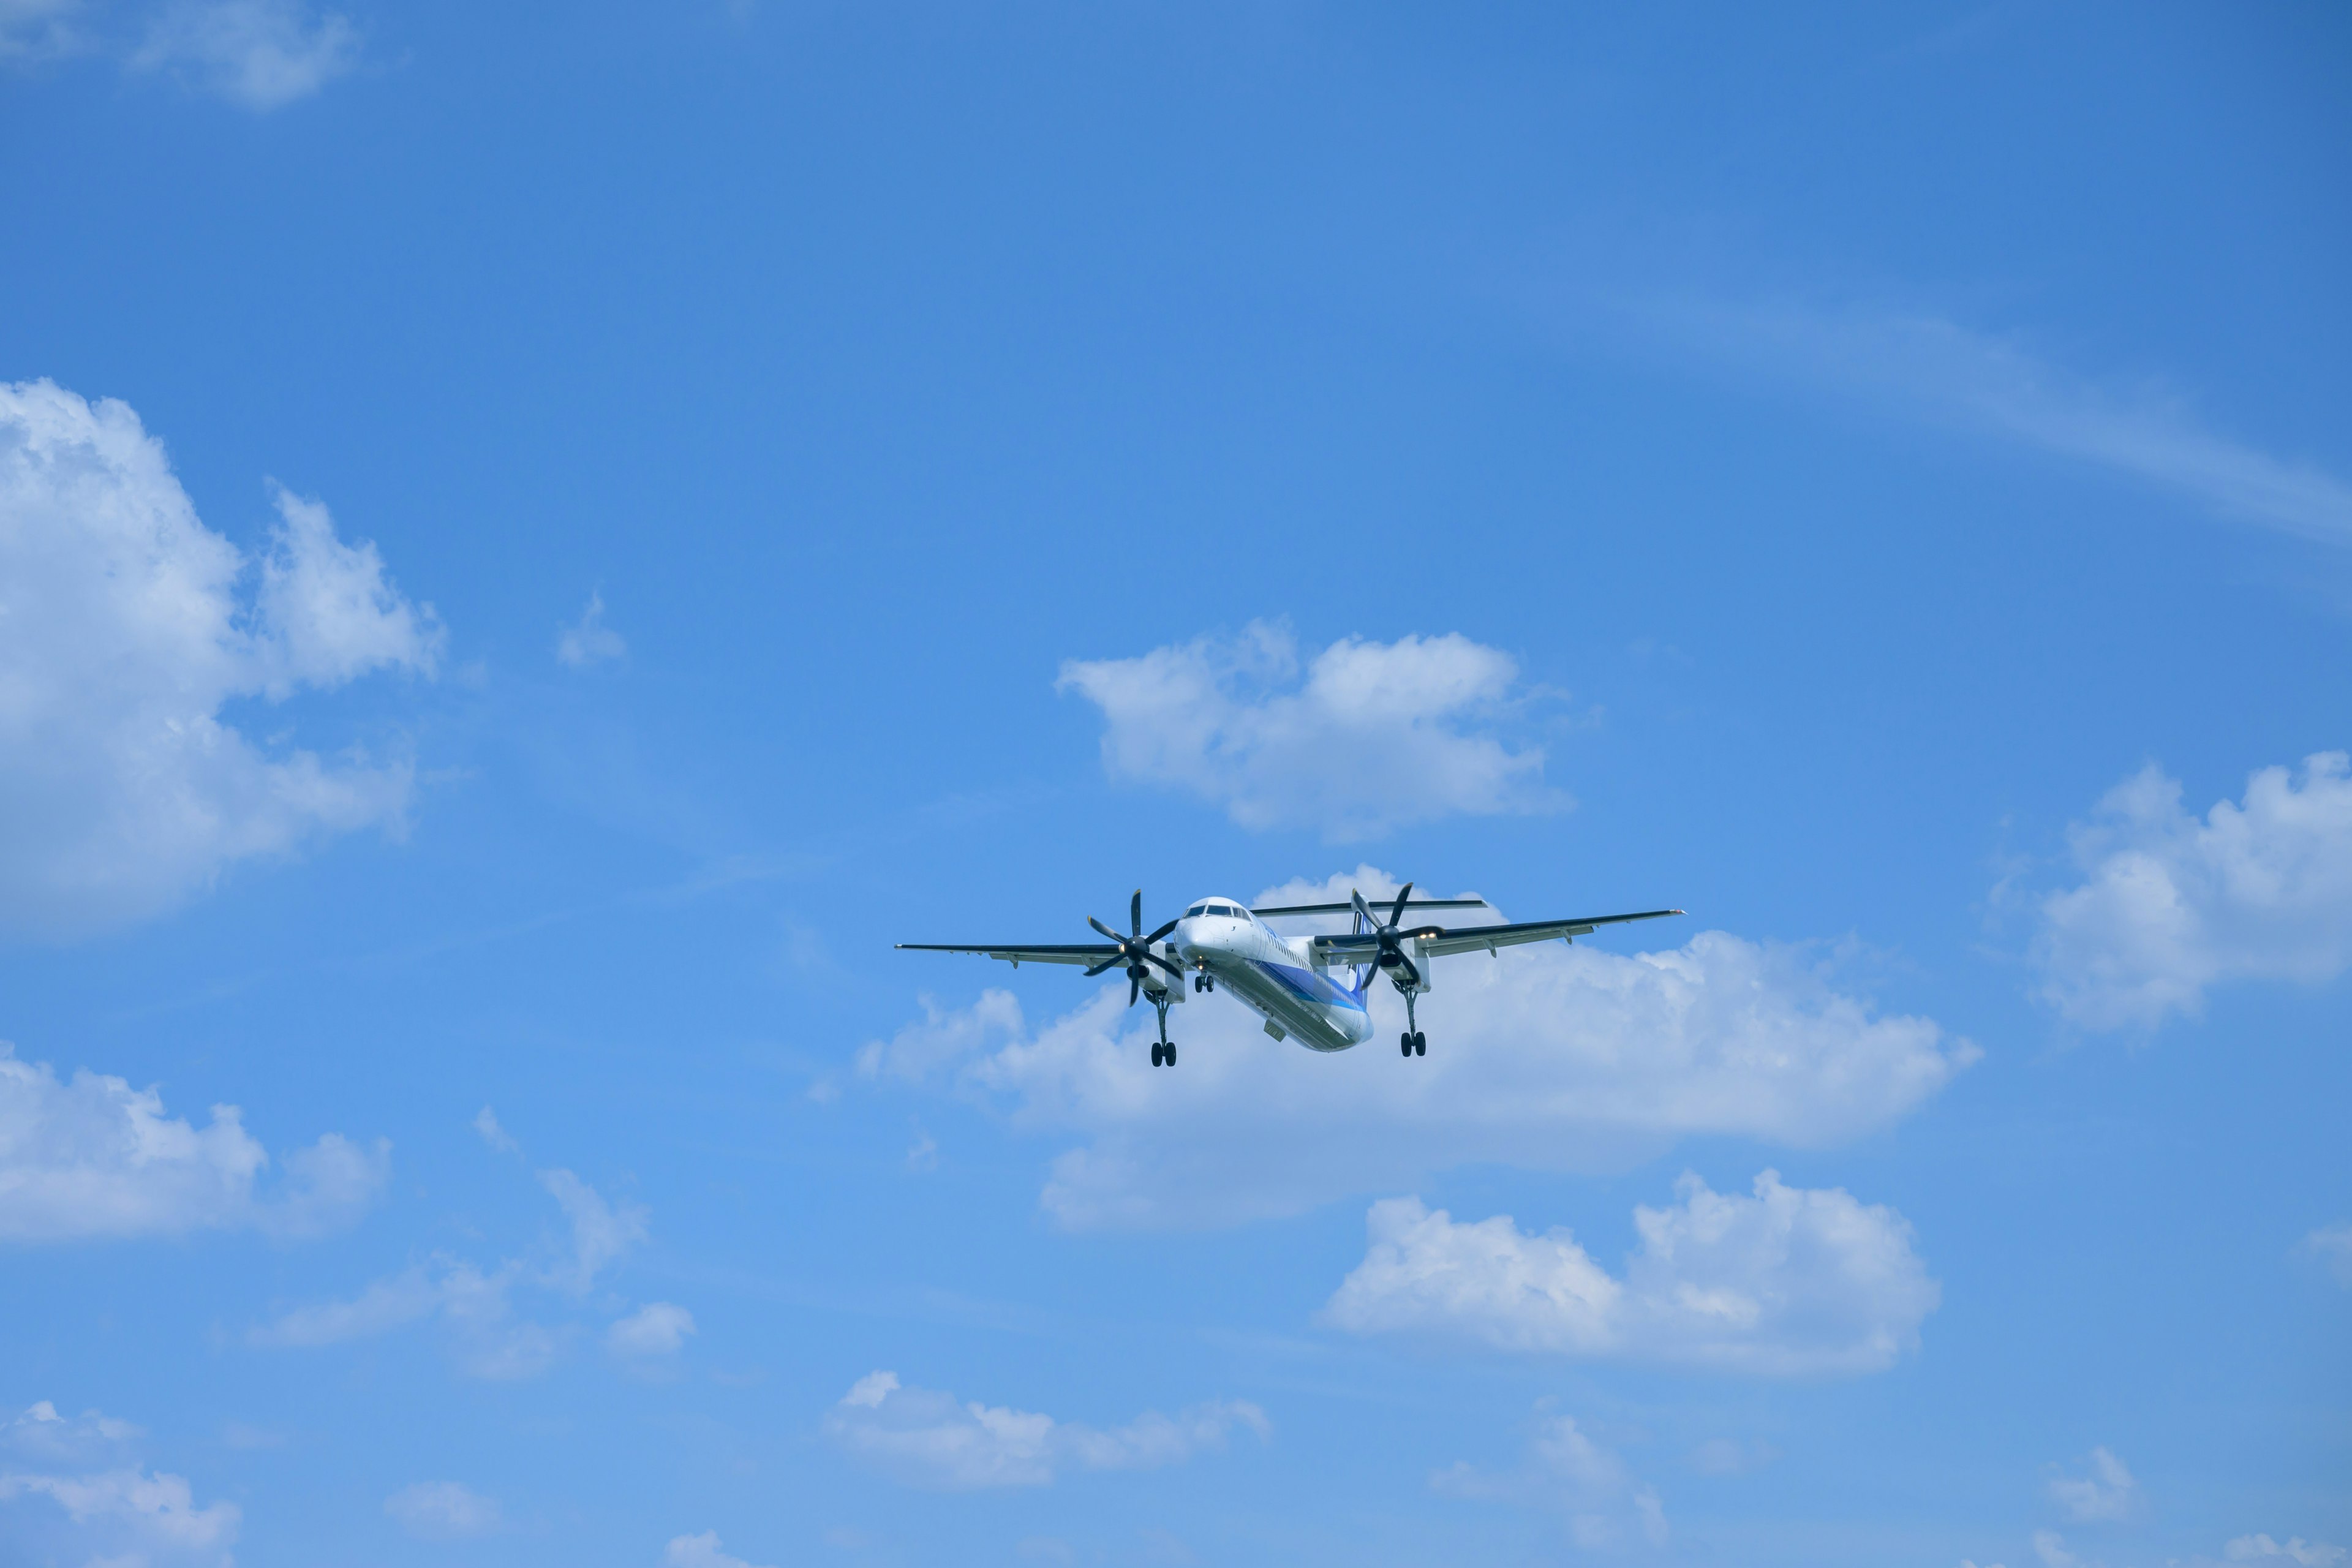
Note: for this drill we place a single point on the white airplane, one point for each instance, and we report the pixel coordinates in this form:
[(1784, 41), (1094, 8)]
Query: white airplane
[(1286, 980)]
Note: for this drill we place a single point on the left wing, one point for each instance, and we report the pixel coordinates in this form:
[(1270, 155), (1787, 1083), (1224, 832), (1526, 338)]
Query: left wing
[(1436, 942), (1088, 954)]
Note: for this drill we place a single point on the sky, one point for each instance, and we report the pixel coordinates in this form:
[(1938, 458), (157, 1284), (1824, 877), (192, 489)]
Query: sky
[(537, 543)]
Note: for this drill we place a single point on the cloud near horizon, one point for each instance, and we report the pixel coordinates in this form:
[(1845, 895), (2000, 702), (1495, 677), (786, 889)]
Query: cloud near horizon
[(1547, 1057), (1368, 737), (1790, 1282), (126, 627)]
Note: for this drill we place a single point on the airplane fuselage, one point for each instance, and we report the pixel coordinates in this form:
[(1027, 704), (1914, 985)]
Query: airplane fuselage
[(1273, 977)]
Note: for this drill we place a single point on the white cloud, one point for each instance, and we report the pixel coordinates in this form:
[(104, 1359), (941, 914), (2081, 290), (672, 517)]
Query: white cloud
[(657, 1329), (2334, 1243), (2261, 1548), (589, 641), (123, 636), (93, 1157), (2051, 1547), (2107, 1491), (442, 1510), (2171, 905), (259, 53), (600, 1231), (1998, 385), (700, 1552), (1565, 1470), (38, 28), (1730, 1457), (475, 1303), (1790, 1282), (84, 1496), (1375, 736), (927, 1438), (1547, 1057), (486, 1123)]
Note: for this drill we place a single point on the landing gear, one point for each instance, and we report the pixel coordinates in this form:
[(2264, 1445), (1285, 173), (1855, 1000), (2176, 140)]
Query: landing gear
[(1413, 1043), (1164, 1052), (1204, 983)]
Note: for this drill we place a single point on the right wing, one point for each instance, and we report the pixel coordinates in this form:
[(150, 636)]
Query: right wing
[(1377, 903), (1086, 954)]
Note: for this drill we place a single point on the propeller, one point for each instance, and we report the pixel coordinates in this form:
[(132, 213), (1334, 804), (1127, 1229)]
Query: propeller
[(1391, 956), (1134, 949)]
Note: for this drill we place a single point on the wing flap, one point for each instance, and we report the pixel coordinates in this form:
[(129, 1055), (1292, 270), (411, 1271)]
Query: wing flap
[(1086, 954)]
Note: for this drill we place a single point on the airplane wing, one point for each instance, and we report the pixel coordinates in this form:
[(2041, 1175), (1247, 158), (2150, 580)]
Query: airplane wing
[(1086, 954), (1438, 941), (1350, 909)]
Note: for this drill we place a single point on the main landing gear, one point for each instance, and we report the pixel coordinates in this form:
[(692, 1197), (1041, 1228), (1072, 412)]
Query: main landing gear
[(1164, 1053), (1413, 1042)]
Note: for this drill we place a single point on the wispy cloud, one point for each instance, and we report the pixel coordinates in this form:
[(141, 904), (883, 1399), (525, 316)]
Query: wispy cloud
[(1940, 369), (928, 1439)]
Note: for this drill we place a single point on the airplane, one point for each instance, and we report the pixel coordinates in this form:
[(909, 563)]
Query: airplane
[(1287, 981)]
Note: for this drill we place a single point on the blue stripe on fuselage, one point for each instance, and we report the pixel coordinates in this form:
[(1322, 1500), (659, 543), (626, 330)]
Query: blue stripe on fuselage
[(1310, 986)]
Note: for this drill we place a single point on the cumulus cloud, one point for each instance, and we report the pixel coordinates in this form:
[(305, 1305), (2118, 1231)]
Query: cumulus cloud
[(2173, 905), (442, 1510), (475, 1303), (1790, 1282), (125, 631), (657, 1329), (2105, 1491), (589, 641), (1565, 1470), (927, 1438), (92, 1158), (1370, 737), (1545, 1058), (74, 1488), (700, 1552), (259, 53)]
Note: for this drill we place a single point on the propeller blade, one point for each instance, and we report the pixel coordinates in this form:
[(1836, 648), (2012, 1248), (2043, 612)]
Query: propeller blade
[(1134, 914), (1165, 964), (1398, 913), (1104, 929), (1363, 910), (1134, 989), (1163, 931), (1108, 964)]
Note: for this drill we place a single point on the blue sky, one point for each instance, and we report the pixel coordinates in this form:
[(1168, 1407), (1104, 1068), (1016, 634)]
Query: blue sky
[(535, 544)]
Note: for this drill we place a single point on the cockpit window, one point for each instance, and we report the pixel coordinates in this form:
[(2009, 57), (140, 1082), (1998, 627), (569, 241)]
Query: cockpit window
[(1196, 910)]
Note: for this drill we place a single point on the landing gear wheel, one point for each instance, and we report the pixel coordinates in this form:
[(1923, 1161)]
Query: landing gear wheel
[(1172, 1053), (1156, 1054), (1420, 1044), (1404, 1045)]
